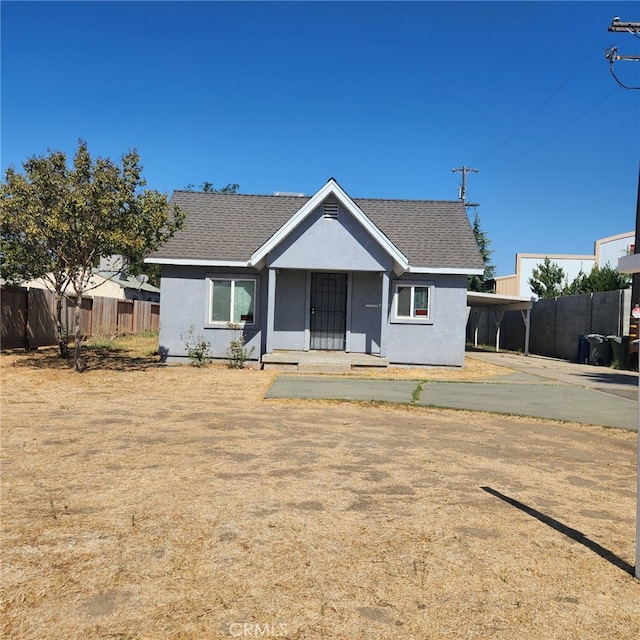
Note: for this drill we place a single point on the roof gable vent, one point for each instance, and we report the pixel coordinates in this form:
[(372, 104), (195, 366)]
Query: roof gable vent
[(330, 210)]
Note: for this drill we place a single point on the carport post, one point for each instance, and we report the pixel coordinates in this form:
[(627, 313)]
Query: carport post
[(497, 316), (631, 264), (498, 305)]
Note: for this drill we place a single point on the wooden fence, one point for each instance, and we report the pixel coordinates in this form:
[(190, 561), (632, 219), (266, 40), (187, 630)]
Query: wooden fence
[(29, 317)]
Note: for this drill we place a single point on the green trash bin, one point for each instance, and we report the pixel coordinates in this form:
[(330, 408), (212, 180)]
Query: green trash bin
[(620, 347)]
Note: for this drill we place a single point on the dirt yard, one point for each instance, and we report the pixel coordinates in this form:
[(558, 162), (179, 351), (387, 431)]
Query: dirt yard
[(141, 501)]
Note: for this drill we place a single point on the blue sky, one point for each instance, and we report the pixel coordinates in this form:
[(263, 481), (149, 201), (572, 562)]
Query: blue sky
[(387, 97)]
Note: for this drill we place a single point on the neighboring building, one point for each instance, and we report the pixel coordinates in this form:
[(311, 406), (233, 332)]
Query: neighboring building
[(610, 250), (113, 271), (124, 286), (327, 272), (606, 251), (107, 282)]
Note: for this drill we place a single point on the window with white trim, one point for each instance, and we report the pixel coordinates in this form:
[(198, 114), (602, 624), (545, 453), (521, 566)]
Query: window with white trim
[(232, 300), (412, 302)]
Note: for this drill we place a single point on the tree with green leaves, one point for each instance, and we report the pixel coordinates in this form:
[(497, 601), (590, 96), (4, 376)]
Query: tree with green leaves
[(605, 278), (548, 279), (481, 283), (57, 221), (208, 187), (579, 285)]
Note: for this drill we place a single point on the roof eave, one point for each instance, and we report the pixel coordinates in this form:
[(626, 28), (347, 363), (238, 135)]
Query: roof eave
[(457, 271), (196, 262)]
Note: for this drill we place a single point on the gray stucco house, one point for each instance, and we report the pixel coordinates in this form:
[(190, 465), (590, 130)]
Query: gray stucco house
[(326, 272)]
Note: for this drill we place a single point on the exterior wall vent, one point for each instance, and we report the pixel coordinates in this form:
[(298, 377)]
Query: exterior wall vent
[(331, 210)]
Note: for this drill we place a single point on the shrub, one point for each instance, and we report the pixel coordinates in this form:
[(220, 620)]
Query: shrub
[(237, 351), (198, 349)]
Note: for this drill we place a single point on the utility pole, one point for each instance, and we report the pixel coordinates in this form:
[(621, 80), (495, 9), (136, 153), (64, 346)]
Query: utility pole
[(611, 54), (618, 26), (462, 191), (624, 27), (634, 329)]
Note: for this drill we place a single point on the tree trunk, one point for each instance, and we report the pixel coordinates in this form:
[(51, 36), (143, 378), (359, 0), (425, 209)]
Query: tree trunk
[(63, 342), (78, 364)]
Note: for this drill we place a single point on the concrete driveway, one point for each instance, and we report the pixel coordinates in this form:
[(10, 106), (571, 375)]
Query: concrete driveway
[(616, 382), (538, 387)]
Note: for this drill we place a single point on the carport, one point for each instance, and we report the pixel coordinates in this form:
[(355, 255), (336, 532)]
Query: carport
[(497, 305)]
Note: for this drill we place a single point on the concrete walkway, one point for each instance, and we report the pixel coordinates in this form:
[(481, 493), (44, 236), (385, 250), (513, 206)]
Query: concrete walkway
[(538, 387)]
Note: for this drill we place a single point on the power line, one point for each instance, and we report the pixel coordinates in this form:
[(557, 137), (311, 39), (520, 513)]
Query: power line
[(544, 104), (553, 135), (615, 77)]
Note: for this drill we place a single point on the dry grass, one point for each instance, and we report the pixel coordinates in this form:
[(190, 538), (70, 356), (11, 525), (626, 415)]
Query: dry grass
[(473, 369), (175, 502)]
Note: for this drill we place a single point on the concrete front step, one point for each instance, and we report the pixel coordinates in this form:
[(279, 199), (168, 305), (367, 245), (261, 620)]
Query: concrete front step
[(321, 361), (324, 367)]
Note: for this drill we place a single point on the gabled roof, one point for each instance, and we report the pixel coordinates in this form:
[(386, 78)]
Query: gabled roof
[(239, 230), (331, 188)]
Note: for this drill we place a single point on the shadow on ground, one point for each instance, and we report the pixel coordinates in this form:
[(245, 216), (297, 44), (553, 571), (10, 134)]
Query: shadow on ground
[(562, 528), (604, 377), (92, 357)]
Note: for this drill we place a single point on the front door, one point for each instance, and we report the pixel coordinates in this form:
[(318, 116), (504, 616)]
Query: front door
[(328, 324)]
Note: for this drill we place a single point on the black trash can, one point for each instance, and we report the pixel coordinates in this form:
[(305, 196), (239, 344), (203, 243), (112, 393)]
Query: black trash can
[(583, 350), (620, 348), (600, 352)]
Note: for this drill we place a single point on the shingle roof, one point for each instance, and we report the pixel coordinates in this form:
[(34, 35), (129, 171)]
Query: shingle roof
[(431, 233)]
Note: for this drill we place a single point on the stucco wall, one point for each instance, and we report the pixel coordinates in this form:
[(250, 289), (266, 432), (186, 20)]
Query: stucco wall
[(184, 303), (442, 342), (365, 323), (291, 310), (330, 244)]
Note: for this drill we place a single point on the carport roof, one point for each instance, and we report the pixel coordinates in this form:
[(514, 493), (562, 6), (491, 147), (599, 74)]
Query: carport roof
[(495, 302)]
